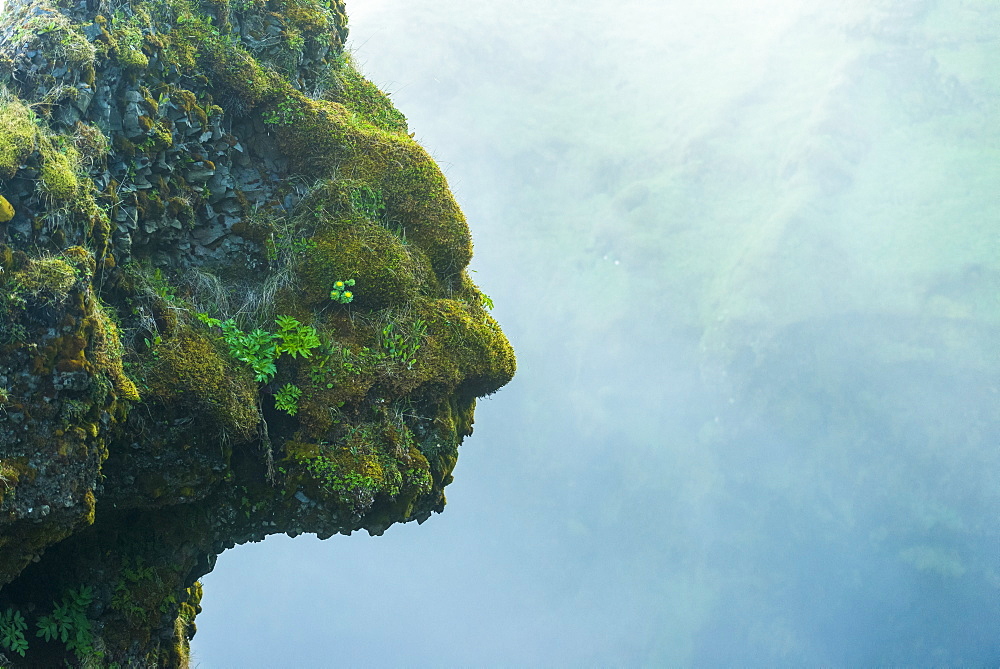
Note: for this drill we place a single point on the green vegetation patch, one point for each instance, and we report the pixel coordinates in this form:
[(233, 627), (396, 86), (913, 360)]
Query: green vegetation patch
[(18, 134), (190, 370), (58, 176), (466, 345), (351, 89), (46, 280), (384, 273)]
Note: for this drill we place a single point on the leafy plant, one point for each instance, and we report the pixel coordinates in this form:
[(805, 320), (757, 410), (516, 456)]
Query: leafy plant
[(283, 245), (158, 282), (138, 589), (296, 339), (421, 478), (151, 345), (404, 347), (12, 627), (369, 202), (260, 350), (346, 483), (287, 399), (68, 622), (257, 348), (287, 112), (124, 600), (340, 292)]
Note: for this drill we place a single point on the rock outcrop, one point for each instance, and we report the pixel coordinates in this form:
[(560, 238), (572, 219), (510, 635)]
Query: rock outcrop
[(233, 302)]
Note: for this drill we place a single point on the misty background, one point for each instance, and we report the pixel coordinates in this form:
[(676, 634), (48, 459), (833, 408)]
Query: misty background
[(748, 253)]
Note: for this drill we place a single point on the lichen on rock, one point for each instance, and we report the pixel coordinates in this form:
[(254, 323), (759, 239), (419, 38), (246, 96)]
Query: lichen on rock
[(233, 302)]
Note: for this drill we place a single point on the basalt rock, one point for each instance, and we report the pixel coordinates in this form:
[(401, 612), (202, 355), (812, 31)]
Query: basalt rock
[(233, 302)]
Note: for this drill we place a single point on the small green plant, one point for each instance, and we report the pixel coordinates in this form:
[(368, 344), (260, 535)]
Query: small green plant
[(287, 112), (12, 627), (161, 286), (318, 370), (340, 292), (283, 245), (287, 399), (167, 604), (132, 574), (151, 345), (347, 484), (294, 40), (256, 348), (421, 478), (260, 350), (296, 339), (404, 347), (369, 202), (68, 623)]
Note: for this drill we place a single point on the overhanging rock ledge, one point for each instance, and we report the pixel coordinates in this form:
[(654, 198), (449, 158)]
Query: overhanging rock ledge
[(233, 302)]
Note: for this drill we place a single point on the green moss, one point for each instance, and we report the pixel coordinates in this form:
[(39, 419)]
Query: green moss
[(91, 142), (230, 66), (108, 355), (18, 135), (188, 102), (46, 279), (351, 89), (6, 210), (189, 370), (60, 39), (417, 194), (384, 273), (185, 627), (321, 136), (128, 47), (465, 345), (351, 474), (314, 134), (58, 176), (308, 17), (12, 470)]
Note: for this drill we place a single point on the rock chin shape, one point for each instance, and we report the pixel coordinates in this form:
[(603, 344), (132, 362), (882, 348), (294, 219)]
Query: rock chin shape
[(233, 302)]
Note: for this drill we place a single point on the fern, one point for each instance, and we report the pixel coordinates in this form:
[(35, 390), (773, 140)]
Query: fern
[(12, 627), (296, 339), (287, 399)]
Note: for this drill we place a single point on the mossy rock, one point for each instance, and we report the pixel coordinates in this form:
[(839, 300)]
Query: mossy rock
[(465, 344), (349, 88), (17, 136), (46, 279), (385, 273), (190, 370), (58, 174), (172, 164), (6, 210)]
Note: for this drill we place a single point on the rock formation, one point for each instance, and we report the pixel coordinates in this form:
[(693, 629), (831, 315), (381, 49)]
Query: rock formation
[(233, 302)]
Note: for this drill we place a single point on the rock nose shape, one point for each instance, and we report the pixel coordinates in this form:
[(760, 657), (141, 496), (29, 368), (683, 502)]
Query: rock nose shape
[(233, 302)]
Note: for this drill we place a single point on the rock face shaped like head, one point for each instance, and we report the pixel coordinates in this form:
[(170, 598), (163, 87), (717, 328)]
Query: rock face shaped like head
[(233, 302)]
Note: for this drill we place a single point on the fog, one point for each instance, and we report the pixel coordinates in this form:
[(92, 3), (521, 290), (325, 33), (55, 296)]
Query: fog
[(748, 253)]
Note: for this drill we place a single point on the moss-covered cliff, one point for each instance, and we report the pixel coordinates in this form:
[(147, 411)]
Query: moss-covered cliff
[(233, 302)]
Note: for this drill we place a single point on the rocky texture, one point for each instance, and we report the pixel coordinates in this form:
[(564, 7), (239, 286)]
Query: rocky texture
[(182, 187)]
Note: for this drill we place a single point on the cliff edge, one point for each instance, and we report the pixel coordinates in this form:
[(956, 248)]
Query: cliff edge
[(233, 302)]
